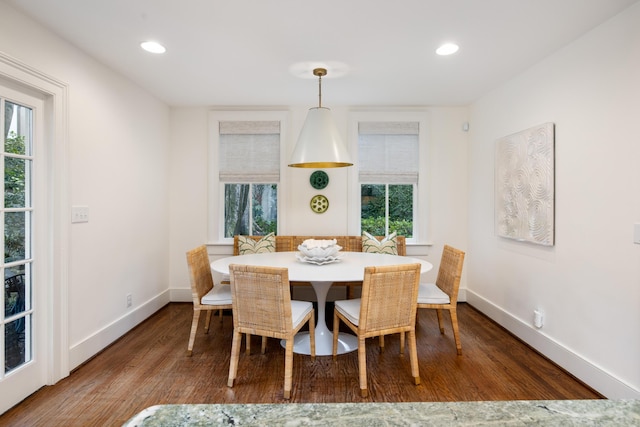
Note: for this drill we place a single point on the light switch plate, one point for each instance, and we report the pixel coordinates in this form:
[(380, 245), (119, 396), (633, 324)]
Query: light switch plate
[(79, 214), (636, 234)]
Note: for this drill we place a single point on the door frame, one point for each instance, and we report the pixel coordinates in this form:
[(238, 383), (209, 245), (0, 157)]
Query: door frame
[(56, 94)]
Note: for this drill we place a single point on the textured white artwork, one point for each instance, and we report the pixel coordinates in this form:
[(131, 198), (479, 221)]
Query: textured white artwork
[(524, 179)]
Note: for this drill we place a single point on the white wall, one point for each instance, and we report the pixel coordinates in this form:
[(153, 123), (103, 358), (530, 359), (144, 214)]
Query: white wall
[(188, 187), (118, 166), (447, 180), (588, 284)]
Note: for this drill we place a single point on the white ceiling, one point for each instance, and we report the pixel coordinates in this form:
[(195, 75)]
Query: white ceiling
[(241, 52)]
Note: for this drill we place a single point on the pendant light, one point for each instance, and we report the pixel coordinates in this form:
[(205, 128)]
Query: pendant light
[(319, 144)]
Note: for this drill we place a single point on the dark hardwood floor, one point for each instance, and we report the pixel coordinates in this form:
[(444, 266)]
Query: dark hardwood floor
[(149, 366)]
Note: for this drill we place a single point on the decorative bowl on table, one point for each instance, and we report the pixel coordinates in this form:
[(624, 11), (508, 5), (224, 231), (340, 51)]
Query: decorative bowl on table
[(319, 251)]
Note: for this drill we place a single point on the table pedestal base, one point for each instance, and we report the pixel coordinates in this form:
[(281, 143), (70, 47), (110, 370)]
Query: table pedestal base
[(324, 344)]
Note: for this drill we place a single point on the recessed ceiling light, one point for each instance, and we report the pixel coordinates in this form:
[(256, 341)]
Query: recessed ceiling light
[(153, 47), (447, 49)]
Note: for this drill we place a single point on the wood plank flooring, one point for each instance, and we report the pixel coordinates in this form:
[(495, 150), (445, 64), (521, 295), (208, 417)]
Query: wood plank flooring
[(149, 366)]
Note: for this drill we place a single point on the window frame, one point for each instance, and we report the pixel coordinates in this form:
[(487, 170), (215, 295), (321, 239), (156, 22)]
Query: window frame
[(216, 187), (421, 188)]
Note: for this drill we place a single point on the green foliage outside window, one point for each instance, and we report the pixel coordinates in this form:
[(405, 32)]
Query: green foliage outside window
[(375, 226), (373, 209), (15, 174), (15, 248), (261, 199), (263, 222)]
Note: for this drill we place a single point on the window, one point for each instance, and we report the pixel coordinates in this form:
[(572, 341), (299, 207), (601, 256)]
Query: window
[(391, 159), (388, 174), (247, 174), (385, 208), (250, 209)]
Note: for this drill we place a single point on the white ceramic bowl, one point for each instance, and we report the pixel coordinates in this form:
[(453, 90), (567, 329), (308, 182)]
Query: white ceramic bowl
[(319, 249)]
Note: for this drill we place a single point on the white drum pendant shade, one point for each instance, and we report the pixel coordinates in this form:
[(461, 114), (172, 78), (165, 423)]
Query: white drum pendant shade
[(319, 144)]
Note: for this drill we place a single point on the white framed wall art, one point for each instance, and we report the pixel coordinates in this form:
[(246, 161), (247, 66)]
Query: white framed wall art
[(524, 185)]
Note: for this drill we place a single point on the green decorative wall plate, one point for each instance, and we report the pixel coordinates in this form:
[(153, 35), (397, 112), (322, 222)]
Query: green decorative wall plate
[(319, 180), (319, 203)]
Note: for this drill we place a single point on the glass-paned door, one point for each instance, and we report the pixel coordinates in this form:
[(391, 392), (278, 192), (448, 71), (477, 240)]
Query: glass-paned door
[(22, 341), (18, 306)]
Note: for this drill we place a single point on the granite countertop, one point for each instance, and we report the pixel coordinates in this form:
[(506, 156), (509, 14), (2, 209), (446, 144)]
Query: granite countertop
[(511, 413)]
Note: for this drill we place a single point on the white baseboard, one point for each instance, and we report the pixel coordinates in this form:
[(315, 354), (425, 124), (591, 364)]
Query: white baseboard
[(90, 346), (595, 377)]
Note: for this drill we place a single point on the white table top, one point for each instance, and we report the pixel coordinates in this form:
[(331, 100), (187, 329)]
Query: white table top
[(350, 268)]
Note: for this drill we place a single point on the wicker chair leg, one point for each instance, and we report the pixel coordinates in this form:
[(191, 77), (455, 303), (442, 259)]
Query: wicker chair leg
[(248, 344), (194, 329), (381, 338), (362, 367), (264, 345), (235, 355), (413, 356), (456, 331), (336, 328), (288, 368), (401, 342)]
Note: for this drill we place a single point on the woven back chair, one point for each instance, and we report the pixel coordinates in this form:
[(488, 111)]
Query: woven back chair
[(387, 306), (206, 296), (262, 306), (355, 245), (443, 295)]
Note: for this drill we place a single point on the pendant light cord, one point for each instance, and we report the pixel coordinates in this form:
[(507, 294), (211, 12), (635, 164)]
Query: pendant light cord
[(320, 72), (320, 91)]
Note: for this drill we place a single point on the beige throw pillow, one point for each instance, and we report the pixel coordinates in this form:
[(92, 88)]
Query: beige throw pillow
[(388, 245), (246, 245)]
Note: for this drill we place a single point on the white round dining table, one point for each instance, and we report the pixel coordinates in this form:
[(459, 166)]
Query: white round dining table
[(349, 268)]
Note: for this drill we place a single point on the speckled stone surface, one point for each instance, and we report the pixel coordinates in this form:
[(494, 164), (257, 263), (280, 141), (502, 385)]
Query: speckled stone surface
[(564, 413)]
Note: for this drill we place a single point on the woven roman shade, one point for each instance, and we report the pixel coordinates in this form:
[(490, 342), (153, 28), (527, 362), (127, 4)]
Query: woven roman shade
[(388, 152), (249, 151)]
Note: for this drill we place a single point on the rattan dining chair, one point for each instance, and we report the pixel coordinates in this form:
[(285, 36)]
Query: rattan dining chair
[(443, 295), (206, 296), (387, 306), (262, 306)]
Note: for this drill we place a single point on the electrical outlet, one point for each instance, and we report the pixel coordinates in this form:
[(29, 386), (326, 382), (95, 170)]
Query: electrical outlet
[(538, 318), (129, 301)]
